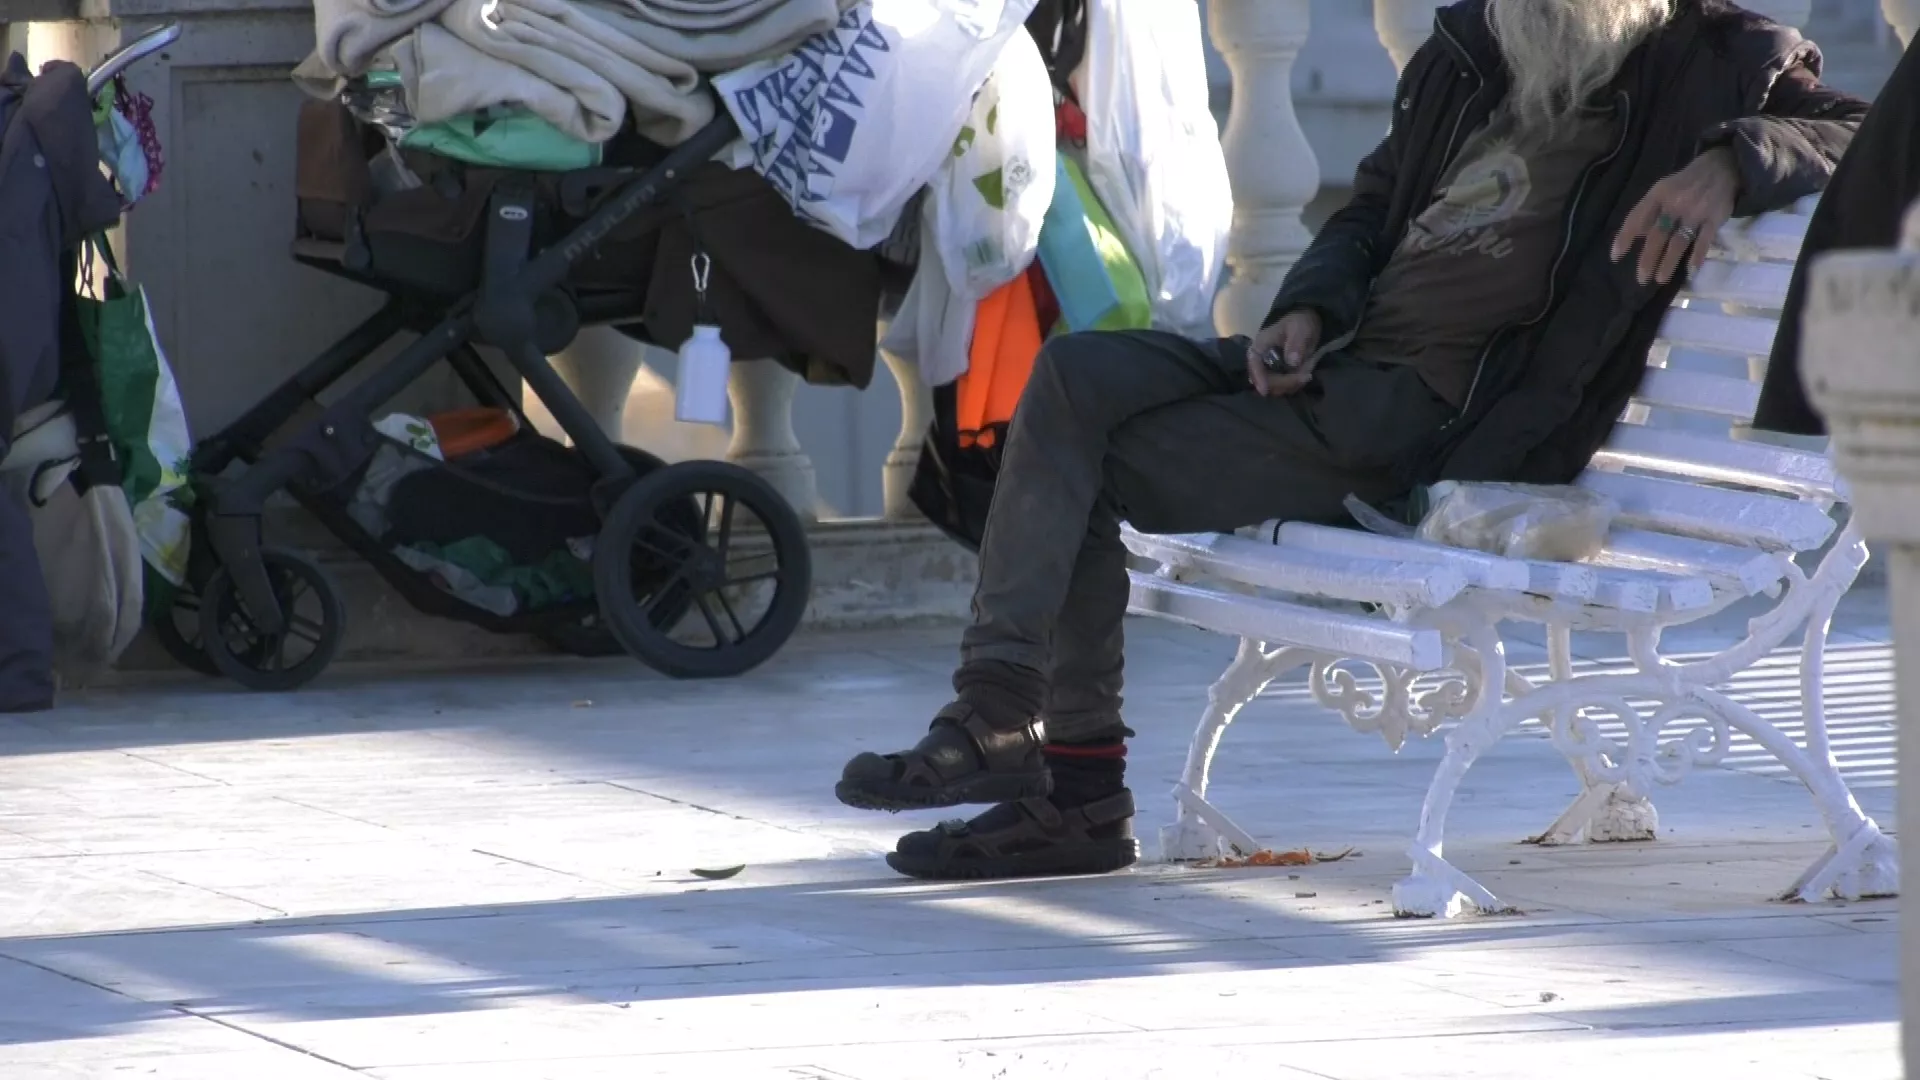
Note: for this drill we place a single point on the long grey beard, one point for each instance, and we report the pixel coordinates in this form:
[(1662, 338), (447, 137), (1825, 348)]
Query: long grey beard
[(1559, 53)]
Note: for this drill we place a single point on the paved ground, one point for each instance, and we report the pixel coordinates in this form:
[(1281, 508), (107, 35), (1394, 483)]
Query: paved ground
[(486, 875)]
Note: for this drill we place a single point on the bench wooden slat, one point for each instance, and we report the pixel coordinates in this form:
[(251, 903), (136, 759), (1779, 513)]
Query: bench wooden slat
[(1775, 237), (1646, 591), (1715, 395), (1728, 566), (1294, 570), (1729, 517), (1482, 571), (1277, 621), (1717, 332), (1749, 284), (1721, 460)]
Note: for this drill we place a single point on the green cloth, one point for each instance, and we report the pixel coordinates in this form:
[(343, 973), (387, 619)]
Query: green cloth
[(556, 579), (508, 140), (495, 138)]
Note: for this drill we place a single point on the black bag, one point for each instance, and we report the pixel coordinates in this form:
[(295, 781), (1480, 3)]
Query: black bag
[(953, 485)]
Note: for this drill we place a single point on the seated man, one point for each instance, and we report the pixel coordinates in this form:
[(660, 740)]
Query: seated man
[(1472, 313)]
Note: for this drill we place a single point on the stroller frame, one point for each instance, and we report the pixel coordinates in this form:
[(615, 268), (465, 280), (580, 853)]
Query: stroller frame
[(521, 308)]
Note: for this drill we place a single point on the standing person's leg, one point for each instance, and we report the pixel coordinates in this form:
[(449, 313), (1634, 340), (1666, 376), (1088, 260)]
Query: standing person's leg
[(985, 747), (1211, 463), (1868, 195), (26, 614)]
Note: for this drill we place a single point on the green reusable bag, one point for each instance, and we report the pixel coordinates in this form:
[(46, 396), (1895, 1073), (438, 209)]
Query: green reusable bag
[(145, 420)]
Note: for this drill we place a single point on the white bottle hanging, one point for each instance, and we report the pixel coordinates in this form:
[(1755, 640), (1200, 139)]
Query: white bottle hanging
[(700, 390)]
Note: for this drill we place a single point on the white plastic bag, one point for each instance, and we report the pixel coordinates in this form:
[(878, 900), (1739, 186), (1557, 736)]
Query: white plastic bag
[(855, 120), (934, 327), (1519, 521), (986, 204), (1153, 152)]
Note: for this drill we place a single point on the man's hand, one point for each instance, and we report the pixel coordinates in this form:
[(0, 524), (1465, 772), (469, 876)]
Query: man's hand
[(1293, 337), (1684, 211)]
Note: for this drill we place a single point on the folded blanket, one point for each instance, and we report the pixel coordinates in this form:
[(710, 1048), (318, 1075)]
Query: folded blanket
[(579, 64), (349, 34), (720, 35), (558, 42)]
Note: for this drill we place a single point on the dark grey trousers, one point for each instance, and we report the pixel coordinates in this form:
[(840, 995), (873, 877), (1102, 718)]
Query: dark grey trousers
[(26, 616), (1164, 433)]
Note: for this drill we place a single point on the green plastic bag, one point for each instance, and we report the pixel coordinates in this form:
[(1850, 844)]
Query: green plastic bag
[(145, 420), (1135, 310)]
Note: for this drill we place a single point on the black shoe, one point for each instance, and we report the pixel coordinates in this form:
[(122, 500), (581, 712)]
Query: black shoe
[(963, 759), (1027, 838)]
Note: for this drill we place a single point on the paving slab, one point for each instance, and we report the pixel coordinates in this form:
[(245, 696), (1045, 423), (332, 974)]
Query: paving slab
[(491, 875)]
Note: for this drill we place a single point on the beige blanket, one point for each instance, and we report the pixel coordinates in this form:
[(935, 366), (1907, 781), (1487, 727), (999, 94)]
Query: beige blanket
[(579, 64)]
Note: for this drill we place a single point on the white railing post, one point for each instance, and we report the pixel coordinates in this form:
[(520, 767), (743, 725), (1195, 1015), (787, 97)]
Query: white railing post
[(1403, 26), (1269, 161), (1861, 351), (1903, 16), (916, 412), (763, 437)]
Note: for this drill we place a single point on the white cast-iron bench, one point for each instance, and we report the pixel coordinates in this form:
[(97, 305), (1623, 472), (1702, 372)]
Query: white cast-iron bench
[(1708, 519)]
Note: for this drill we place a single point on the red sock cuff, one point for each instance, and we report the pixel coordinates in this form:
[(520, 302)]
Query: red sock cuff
[(1110, 750)]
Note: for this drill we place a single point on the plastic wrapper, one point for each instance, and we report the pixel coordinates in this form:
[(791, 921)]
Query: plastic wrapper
[(1519, 521)]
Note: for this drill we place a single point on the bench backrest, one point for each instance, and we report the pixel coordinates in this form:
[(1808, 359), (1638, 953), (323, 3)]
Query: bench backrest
[(1701, 388)]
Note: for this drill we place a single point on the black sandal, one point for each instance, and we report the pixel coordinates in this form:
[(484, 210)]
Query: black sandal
[(963, 759), (1028, 838)]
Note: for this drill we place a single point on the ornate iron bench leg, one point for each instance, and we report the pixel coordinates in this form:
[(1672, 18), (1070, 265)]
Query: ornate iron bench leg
[(1199, 830)]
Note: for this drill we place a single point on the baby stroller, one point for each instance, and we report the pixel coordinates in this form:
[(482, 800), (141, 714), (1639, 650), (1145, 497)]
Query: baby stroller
[(698, 569)]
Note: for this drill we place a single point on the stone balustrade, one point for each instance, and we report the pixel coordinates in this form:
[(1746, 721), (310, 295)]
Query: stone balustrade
[(1861, 354)]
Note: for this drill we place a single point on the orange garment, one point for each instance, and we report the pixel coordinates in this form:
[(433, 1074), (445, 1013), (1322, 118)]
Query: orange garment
[(1006, 340)]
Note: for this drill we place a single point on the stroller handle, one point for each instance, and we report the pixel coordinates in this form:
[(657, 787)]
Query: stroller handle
[(142, 47)]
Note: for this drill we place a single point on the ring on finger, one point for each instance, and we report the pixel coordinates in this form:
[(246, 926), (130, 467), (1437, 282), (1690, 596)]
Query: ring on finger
[(1667, 223), (1687, 232)]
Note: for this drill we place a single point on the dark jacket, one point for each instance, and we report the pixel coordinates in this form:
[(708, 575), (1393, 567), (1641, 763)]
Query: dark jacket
[(1547, 391), (52, 196), (1871, 190)]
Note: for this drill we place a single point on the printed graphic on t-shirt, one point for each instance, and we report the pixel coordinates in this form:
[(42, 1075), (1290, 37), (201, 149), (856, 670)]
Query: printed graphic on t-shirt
[(1486, 193)]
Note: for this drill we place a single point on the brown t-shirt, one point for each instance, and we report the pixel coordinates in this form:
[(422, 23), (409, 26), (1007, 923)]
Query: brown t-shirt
[(1480, 255)]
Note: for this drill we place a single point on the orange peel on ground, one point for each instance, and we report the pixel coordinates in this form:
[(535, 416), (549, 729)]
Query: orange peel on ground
[(1269, 857)]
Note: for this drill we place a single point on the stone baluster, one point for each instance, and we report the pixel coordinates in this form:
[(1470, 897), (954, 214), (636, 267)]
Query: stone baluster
[(1862, 357), (916, 412), (1403, 26), (1269, 161), (599, 367), (1903, 16), (763, 437)]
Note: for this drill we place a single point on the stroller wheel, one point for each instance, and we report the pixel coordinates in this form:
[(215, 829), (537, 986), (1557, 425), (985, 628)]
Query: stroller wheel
[(715, 545), (178, 631), (316, 622)]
